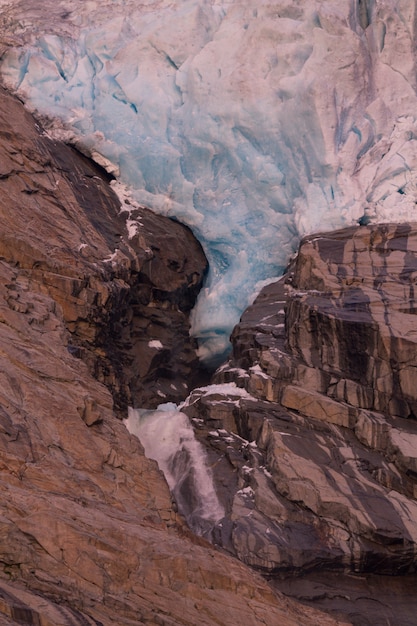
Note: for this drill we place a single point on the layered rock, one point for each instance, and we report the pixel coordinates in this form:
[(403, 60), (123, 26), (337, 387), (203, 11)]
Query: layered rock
[(367, 277), (312, 430), (88, 532), (125, 279)]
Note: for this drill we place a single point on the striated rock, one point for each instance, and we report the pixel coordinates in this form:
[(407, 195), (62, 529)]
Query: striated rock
[(123, 278), (88, 532), (366, 600), (311, 423), (360, 289), (86, 520)]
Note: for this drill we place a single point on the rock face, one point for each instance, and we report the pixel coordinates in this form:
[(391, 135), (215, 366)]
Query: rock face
[(359, 327), (88, 534), (125, 296), (312, 432)]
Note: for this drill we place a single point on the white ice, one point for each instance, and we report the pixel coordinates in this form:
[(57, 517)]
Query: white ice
[(253, 122)]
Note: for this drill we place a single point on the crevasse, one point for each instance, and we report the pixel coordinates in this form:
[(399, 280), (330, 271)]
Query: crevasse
[(253, 122)]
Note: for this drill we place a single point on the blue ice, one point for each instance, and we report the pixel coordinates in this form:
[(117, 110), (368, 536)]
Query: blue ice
[(221, 115)]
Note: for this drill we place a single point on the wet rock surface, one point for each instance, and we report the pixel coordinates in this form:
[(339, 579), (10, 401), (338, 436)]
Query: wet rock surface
[(311, 425), (365, 600), (88, 532)]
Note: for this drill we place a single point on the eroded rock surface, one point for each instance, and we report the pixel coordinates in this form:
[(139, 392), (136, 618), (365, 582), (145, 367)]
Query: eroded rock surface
[(312, 432), (88, 534), (125, 295)]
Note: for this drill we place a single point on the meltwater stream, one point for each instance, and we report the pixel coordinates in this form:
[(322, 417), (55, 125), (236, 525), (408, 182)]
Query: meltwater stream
[(168, 437)]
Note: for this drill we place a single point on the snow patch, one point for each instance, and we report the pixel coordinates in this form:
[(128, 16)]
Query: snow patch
[(155, 344), (226, 389), (246, 491)]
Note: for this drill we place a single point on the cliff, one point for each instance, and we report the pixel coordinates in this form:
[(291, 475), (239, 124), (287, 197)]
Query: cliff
[(311, 427), (94, 315)]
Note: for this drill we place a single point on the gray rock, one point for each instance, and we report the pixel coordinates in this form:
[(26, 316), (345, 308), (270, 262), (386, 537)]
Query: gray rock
[(325, 436)]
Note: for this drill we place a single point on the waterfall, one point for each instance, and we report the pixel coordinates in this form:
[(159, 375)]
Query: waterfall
[(168, 437)]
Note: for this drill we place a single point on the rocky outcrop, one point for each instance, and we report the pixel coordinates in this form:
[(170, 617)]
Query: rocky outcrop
[(124, 279), (366, 300), (88, 532), (311, 426)]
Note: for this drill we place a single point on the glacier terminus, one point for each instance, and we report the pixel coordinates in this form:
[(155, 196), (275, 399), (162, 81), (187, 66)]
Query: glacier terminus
[(253, 122)]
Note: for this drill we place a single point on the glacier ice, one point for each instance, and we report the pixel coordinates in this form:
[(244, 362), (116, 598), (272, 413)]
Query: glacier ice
[(253, 122)]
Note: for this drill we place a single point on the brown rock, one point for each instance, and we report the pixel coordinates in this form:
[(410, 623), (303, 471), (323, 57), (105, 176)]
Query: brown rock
[(89, 412), (351, 312), (318, 406), (88, 534), (63, 226), (323, 471)]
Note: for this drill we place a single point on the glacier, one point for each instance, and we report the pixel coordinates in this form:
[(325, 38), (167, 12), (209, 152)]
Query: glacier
[(253, 122)]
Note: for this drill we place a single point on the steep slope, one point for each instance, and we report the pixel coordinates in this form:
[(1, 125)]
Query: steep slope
[(312, 431), (64, 226), (88, 534)]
